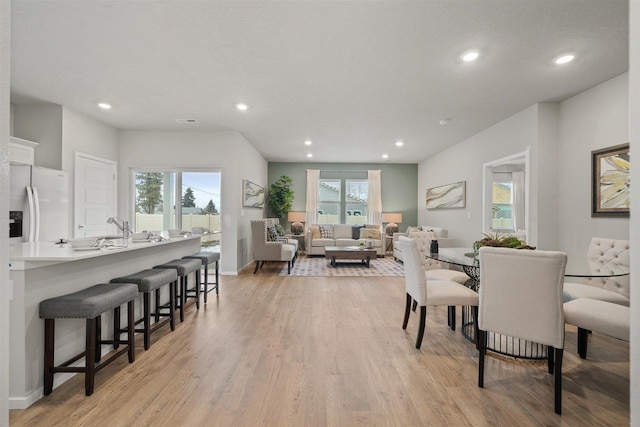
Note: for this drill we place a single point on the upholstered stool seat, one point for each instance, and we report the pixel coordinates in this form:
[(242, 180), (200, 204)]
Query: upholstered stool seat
[(88, 304), (183, 268), (600, 316), (207, 258), (149, 281)]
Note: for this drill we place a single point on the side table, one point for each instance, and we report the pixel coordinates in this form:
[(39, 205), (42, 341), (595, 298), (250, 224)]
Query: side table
[(301, 241)]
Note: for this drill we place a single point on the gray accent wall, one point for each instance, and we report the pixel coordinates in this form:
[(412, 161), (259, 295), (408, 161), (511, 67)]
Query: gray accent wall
[(399, 184)]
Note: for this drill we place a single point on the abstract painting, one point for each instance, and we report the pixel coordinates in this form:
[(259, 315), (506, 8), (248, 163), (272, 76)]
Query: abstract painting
[(610, 181), (252, 195), (446, 196)]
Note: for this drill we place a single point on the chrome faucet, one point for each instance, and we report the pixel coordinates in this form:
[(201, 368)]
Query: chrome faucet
[(122, 226)]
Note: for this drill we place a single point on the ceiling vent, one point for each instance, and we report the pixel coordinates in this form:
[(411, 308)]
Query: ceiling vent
[(187, 121)]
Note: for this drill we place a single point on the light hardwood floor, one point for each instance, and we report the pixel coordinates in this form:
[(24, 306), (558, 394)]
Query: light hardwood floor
[(293, 351)]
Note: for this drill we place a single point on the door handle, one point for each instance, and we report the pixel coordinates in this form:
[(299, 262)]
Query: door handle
[(81, 227)]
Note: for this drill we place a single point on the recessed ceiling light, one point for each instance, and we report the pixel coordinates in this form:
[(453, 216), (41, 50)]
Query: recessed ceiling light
[(309, 155), (399, 143), (471, 55), (308, 142), (444, 122), (242, 107), (385, 156), (104, 106), (564, 59)]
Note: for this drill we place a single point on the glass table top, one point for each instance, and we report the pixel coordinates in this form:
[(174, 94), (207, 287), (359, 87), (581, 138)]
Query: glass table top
[(576, 266)]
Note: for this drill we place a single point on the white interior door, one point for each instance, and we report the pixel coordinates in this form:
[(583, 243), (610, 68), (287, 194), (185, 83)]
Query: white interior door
[(95, 195)]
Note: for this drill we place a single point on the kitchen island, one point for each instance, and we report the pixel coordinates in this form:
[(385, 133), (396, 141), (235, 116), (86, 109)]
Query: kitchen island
[(43, 270)]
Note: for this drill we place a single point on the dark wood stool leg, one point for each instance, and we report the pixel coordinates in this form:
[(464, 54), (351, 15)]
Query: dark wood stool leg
[(116, 328), (423, 319), (49, 335), (206, 282), (90, 352), (217, 281), (98, 334), (131, 326), (157, 305), (172, 306), (198, 290), (178, 287), (146, 319)]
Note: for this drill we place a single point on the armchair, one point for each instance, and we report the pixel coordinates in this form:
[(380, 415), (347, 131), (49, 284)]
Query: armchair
[(265, 250)]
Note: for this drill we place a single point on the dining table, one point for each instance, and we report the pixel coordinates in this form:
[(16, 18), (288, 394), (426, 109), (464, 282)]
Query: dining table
[(468, 260)]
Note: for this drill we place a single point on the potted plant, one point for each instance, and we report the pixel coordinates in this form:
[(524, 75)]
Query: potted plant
[(280, 197), (502, 241)]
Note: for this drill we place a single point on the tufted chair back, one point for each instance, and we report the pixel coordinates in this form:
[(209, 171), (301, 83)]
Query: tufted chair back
[(613, 251), (423, 241)]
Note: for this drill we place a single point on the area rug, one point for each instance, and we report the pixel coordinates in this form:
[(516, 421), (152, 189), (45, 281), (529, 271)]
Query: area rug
[(319, 266)]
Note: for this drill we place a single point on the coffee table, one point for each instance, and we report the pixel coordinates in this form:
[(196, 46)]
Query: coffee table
[(349, 252)]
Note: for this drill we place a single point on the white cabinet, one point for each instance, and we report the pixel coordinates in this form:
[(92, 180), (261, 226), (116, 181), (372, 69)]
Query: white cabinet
[(21, 150)]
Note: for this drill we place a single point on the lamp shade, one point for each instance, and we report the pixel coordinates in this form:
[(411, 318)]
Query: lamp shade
[(395, 217), (297, 217)]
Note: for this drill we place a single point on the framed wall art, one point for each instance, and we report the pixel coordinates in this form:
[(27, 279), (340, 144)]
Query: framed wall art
[(446, 196), (252, 195), (610, 181)]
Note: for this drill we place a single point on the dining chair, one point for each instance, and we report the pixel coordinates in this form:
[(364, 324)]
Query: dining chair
[(429, 292), (521, 296), (611, 289), (432, 267)]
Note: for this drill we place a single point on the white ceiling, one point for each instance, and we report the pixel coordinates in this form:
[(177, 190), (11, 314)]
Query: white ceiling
[(353, 76)]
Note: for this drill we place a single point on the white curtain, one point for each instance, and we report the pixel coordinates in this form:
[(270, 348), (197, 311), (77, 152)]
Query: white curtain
[(374, 198), (313, 181), (518, 207)]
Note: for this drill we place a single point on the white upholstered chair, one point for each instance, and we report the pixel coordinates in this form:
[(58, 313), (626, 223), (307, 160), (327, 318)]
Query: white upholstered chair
[(521, 296), (429, 292), (598, 316), (610, 289), (265, 250), (432, 267)]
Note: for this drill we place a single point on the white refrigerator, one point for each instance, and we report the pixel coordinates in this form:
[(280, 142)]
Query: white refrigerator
[(43, 197)]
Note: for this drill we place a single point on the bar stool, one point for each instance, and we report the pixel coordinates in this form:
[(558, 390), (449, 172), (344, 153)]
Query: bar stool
[(183, 268), (148, 281), (207, 258), (88, 304)]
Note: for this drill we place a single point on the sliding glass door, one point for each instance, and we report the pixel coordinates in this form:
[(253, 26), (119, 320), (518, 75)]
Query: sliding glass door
[(182, 199)]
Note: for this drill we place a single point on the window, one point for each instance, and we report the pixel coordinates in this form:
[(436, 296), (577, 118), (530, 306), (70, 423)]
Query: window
[(342, 201), (502, 204), (160, 206)]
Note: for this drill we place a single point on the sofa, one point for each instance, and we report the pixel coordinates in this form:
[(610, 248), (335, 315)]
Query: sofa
[(439, 234), (344, 235)]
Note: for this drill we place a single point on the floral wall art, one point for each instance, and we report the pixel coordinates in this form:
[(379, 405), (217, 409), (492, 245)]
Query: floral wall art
[(610, 181)]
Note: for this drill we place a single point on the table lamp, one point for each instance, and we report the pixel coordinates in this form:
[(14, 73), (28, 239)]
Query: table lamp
[(391, 219), (296, 219)]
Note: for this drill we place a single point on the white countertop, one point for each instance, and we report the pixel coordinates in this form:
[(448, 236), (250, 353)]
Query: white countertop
[(50, 253)]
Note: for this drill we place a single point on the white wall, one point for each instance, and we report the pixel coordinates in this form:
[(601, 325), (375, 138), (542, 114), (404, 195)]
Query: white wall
[(634, 136), (561, 137), (463, 162), (42, 124), (594, 119), (228, 152), (5, 128)]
